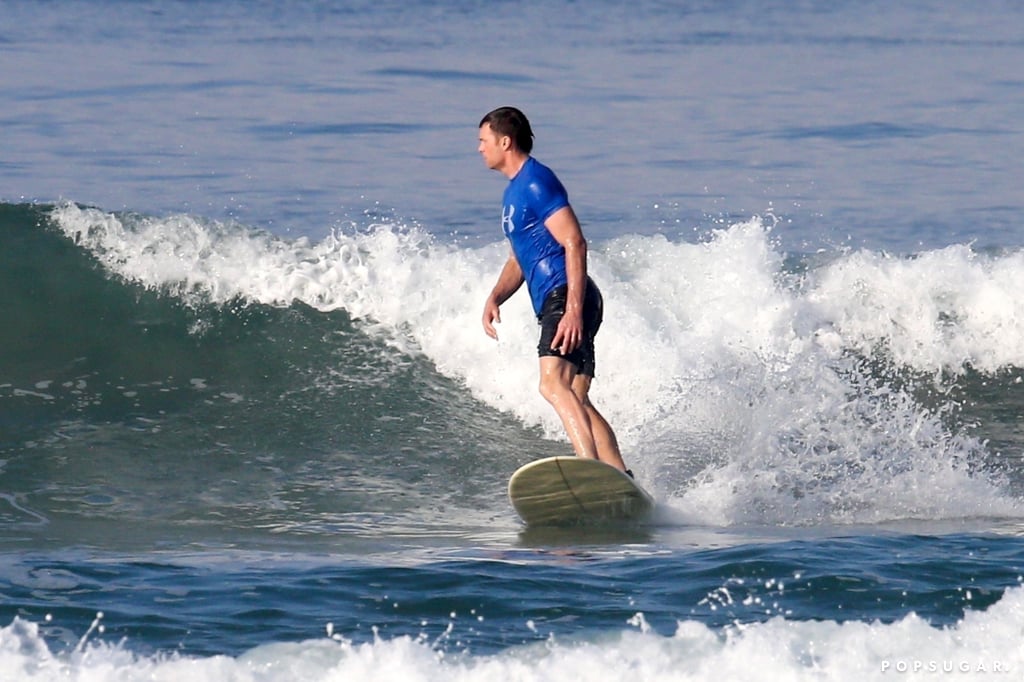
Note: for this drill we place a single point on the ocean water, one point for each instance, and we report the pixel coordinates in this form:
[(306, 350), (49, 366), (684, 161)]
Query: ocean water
[(251, 429)]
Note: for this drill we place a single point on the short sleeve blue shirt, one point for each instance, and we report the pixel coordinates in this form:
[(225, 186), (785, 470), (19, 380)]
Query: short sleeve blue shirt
[(531, 197)]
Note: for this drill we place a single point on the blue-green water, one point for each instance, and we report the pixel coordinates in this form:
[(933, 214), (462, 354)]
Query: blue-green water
[(250, 427)]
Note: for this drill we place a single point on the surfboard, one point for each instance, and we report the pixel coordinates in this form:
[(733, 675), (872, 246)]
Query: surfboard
[(571, 490)]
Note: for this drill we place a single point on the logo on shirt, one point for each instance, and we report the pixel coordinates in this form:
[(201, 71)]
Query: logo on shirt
[(506, 218)]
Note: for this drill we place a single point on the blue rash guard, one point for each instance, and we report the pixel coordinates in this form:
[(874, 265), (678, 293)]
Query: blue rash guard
[(531, 197)]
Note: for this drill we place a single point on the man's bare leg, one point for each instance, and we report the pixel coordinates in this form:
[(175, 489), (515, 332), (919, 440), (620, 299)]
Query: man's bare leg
[(556, 385), (604, 437)]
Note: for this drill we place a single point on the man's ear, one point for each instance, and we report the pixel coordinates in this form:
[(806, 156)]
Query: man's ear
[(506, 142)]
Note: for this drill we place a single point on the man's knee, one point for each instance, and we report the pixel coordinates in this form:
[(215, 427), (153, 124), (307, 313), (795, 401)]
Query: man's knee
[(551, 387), (556, 384)]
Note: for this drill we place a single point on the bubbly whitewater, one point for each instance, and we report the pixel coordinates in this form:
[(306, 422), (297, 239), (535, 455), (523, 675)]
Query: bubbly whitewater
[(251, 429)]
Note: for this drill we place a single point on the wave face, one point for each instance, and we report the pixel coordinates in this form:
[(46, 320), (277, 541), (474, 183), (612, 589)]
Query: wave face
[(748, 386)]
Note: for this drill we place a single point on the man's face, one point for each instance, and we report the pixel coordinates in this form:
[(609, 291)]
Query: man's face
[(491, 148)]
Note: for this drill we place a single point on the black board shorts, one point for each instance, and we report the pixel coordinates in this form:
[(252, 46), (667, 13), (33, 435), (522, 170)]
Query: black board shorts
[(551, 314)]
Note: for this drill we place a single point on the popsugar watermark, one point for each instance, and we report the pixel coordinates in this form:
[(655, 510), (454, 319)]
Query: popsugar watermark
[(946, 666)]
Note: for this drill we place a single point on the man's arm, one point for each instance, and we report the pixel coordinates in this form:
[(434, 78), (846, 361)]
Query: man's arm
[(509, 281), (565, 228)]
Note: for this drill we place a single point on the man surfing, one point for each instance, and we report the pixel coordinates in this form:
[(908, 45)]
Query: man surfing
[(548, 253)]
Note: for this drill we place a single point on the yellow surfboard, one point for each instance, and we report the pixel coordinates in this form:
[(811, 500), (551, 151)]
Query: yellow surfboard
[(570, 490)]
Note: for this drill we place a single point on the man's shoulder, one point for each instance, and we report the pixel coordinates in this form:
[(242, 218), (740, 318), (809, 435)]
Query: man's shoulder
[(535, 168), (542, 180)]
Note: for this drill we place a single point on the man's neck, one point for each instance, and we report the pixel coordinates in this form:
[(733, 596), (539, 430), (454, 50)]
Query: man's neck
[(514, 163)]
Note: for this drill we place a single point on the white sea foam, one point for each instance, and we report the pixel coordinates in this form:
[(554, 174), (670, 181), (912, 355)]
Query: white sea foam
[(738, 389), (942, 310), (984, 645)]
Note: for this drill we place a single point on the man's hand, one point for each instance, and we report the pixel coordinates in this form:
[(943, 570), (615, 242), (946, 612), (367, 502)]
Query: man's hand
[(569, 335), (492, 314)]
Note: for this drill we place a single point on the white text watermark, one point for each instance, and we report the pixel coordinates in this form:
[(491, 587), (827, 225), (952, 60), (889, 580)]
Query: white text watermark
[(944, 666)]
